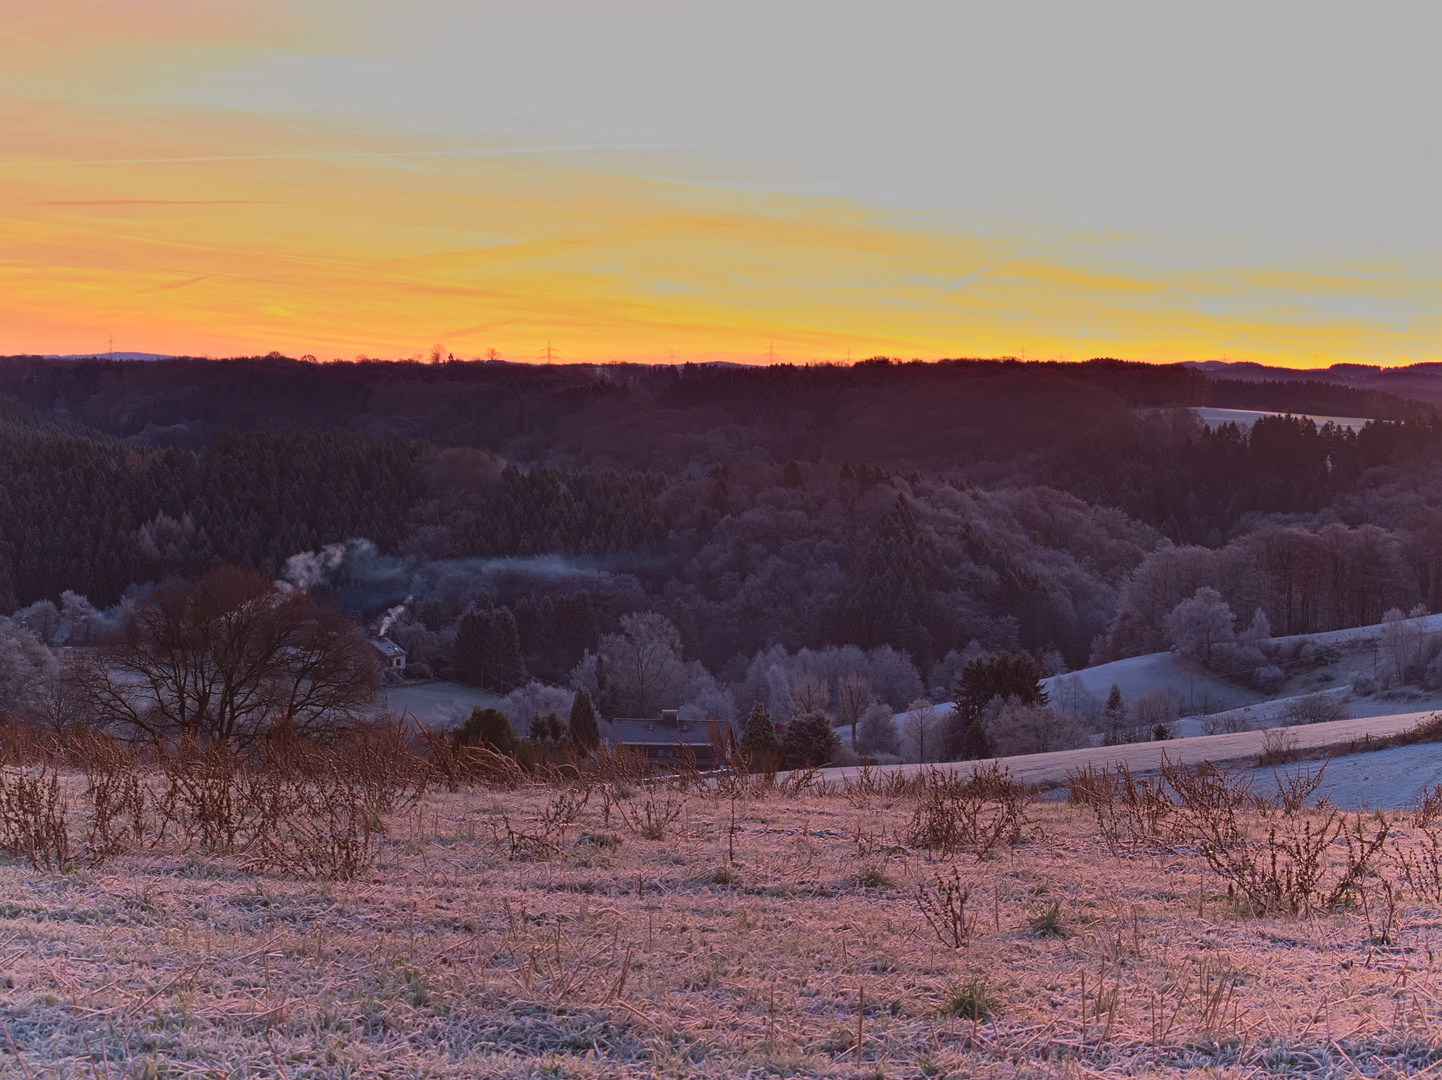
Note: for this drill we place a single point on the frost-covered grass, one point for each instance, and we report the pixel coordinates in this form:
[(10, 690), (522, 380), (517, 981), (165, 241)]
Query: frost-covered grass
[(706, 949)]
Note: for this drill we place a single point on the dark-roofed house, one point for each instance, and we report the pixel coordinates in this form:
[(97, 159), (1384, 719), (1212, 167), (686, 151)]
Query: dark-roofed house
[(393, 657), (669, 740)]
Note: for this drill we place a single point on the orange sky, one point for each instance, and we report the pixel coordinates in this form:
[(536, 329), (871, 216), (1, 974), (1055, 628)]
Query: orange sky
[(322, 178)]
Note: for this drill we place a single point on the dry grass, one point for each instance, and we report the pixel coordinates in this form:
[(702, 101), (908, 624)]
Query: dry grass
[(640, 929)]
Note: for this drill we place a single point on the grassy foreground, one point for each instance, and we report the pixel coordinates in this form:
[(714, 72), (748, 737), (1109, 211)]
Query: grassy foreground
[(634, 930)]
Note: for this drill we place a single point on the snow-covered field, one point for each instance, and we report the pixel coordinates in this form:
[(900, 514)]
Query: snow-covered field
[(1199, 693), (435, 704), (1245, 418), (1341, 665), (1390, 778), (1195, 690)]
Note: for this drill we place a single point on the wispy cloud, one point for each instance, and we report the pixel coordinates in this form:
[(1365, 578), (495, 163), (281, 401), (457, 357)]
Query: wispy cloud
[(624, 182)]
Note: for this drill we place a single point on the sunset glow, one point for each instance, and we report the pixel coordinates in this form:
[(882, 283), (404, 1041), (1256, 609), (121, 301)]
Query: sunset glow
[(324, 178)]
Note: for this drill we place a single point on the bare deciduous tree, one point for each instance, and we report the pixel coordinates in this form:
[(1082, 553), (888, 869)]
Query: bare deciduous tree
[(809, 695), (853, 697), (921, 732), (228, 657), (643, 664)]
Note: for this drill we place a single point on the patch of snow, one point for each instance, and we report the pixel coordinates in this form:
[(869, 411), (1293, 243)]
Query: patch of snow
[(1245, 418)]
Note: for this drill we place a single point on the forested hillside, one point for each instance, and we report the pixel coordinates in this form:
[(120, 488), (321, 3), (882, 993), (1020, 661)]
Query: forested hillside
[(938, 510), (92, 514)]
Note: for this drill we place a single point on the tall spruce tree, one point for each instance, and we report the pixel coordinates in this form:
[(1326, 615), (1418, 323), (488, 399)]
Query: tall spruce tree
[(758, 743), (585, 728), (488, 647), (1114, 718), (892, 601)]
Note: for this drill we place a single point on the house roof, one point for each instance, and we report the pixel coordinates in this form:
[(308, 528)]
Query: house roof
[(388, 648), (654, 733)]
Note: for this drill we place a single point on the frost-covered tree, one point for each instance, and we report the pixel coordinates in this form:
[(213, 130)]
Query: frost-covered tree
[(27, 669), (1197, 626), (876, 731), (1015, 728), (644, 670), (703, 698), (41, 618), (1258, 630), (778, 693), (922, 732), (524, 704), (1070, 695)]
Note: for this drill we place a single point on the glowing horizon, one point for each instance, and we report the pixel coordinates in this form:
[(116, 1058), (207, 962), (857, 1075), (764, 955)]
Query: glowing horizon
[(343, 180)]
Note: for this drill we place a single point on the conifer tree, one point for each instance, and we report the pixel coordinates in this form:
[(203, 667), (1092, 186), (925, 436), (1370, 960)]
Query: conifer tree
[(984, 679), (892, 602), (810, 741), (1114, 718), (585, 729), (758, 741), (488, 646)]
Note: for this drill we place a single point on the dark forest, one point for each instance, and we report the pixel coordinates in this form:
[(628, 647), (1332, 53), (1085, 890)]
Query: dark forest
[(931, 509)]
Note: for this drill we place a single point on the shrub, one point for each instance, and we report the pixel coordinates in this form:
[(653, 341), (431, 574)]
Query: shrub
[(1129, 811), (487, 728), (1227, 723), (972, 814), (34, 819), (1318, 708), (1292, 870), (943, 904)]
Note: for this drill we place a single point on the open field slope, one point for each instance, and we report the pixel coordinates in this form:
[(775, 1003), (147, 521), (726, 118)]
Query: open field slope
[(1247, 417), (435, 704), (1244, 746), (765, 944), (1192, 687), (1343, 657)]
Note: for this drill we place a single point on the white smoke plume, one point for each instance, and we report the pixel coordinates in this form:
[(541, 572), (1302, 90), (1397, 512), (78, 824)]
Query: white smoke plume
[(357, 561), (392, 615), (311, 568)]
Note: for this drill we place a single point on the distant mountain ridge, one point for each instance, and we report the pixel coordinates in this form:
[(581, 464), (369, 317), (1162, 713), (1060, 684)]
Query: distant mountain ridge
[(110, 356), (1420, 381)]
